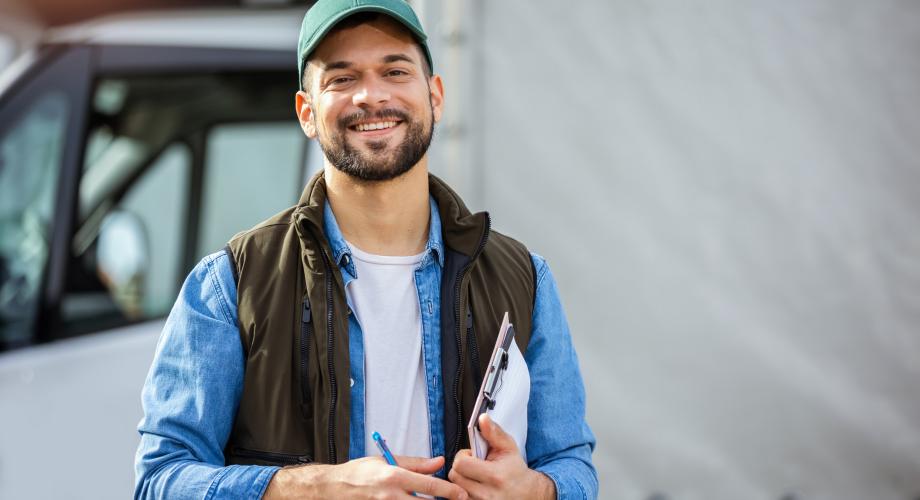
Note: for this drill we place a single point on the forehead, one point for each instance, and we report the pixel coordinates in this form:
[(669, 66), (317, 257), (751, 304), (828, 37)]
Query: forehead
[(365, 42)]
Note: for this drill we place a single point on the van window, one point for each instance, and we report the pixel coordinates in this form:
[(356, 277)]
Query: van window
[(30, 154), (128, 258), (174, 165), (252, 171)]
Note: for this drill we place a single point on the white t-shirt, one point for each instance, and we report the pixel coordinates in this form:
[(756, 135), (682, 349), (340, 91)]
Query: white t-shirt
[(385, 302)]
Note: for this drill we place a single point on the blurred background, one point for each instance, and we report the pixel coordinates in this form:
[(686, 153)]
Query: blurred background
[(728, 194)]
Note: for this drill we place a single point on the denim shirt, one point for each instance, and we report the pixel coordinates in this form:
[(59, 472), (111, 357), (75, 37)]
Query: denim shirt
[(193, 389)]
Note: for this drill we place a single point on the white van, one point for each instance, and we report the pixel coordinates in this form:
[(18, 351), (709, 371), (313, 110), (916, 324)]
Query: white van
[(130, 147)]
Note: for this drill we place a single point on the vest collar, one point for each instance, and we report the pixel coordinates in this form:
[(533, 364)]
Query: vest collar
[(463, 231), (312, 200)]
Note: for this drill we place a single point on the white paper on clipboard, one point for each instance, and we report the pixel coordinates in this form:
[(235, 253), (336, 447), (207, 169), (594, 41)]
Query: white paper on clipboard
[(511, 395)]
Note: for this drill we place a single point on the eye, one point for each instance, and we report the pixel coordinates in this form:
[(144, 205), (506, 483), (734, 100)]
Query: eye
[(339, 80), (397, 72)]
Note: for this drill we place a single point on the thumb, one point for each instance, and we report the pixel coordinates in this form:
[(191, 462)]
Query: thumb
[(498, 439), (421, 465)]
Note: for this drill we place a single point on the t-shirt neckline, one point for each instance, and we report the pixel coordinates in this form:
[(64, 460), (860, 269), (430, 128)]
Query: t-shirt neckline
[(389, 260)]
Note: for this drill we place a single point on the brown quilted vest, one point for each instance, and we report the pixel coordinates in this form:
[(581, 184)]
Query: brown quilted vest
[(294, 328)]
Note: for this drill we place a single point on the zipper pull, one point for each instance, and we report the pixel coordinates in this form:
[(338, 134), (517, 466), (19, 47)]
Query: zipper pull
[(307, 316)]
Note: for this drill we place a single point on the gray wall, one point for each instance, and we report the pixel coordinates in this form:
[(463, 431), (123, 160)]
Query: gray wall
[(729, 196)]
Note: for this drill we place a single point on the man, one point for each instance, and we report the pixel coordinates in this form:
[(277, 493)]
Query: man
[(364, 308)]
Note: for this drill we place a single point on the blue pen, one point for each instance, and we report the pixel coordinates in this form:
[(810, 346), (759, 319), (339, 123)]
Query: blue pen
[(387, 455), (382, 445)]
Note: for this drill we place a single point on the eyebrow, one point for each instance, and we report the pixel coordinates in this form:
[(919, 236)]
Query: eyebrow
[(398, 57), (386, 60), (337, 65)]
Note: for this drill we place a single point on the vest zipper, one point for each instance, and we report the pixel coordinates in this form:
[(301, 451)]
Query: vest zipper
[(456, 385), (474, 346), (306, 334), (330, 361), (282, 458)]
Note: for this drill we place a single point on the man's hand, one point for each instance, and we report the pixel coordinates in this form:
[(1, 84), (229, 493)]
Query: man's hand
[(369, 477), (503, 474)]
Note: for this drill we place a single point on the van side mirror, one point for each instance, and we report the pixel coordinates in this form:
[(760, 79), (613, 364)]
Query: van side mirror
[(122, 260)]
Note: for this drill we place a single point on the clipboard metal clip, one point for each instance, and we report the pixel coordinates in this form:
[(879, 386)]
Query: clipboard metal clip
[(501, 363), (496, 369)]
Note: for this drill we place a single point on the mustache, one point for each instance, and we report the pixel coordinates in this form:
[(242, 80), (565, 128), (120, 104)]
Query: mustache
[(381, 114)]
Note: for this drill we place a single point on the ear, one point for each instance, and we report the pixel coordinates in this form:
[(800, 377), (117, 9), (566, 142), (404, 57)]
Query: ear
[(436, 87), (303, 106)]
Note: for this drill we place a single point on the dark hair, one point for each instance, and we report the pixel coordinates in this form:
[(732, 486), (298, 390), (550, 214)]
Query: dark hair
[(357, 20)]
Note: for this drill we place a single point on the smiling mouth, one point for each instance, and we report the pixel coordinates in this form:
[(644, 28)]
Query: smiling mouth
[(374, 126)]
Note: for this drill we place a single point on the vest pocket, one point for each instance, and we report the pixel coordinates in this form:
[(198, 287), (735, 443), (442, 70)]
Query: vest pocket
[(245, 456)]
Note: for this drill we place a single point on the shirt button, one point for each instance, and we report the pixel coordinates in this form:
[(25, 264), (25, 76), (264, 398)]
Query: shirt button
[(346, 259), (352, 382)]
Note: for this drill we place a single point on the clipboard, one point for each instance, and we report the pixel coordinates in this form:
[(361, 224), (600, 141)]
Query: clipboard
[(504, 393)]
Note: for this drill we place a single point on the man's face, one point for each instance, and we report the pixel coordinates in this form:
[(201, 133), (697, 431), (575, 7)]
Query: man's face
[(369, 101)]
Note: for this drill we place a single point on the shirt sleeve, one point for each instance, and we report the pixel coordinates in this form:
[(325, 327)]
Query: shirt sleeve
[(191, 395), (559, 441)]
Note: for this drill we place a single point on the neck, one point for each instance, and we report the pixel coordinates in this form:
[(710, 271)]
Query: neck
[(382, 217)]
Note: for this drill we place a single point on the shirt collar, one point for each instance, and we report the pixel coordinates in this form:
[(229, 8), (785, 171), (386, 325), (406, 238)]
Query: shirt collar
[(341, 253), (435, 242)]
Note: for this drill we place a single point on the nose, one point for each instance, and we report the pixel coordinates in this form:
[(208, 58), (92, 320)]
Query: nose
[(371, 92)]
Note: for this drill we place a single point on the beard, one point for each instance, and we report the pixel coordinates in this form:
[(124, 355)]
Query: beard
[(378, 164)]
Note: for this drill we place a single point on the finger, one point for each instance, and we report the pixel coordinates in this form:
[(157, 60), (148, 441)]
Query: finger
[(420, 464), (498, 439), (474, 468), (431, 485), (474, 488)]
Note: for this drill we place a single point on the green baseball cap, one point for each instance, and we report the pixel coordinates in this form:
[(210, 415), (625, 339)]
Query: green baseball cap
[(325, 14)]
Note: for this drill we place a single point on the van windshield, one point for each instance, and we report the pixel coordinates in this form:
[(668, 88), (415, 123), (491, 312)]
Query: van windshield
[(30, 153)]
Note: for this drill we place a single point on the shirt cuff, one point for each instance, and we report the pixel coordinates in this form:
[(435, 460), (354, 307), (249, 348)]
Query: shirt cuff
[(568, 487), (241, 481)]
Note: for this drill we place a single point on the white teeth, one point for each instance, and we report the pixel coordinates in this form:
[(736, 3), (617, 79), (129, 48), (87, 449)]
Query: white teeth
[(363, 127)]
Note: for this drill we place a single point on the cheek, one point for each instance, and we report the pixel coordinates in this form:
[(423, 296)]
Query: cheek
[(434, 111), (324, 119)]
